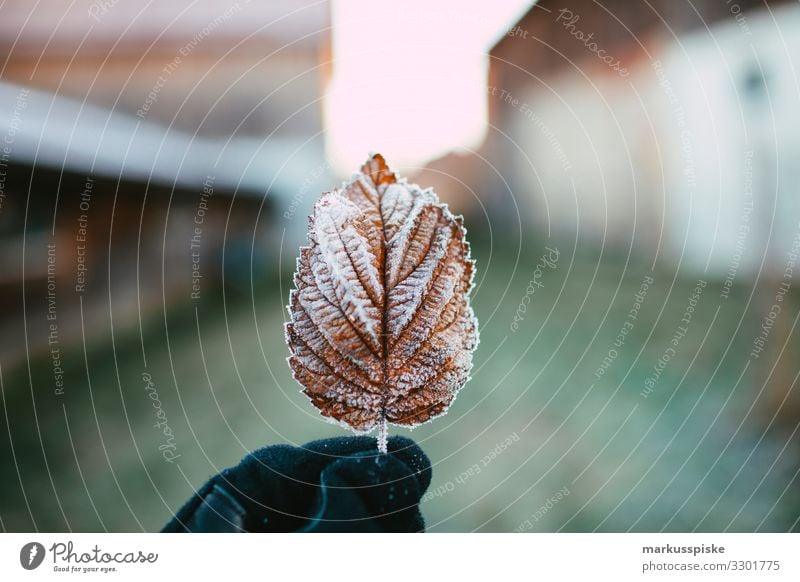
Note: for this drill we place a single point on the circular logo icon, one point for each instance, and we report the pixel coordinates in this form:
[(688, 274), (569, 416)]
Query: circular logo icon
[(31, 555)]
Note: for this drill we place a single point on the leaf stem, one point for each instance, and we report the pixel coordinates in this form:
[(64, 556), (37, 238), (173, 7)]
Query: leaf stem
[(383, 436)]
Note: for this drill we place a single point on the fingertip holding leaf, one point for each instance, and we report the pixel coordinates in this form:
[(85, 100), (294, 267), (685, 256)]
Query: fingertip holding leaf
[(381, 327)]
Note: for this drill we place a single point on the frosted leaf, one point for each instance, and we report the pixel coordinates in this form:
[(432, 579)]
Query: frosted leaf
[(381, 328)]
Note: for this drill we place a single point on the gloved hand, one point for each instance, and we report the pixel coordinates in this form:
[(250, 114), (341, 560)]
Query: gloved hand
[(334, 485)]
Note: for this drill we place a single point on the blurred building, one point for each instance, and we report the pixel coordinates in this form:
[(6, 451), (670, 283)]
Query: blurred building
[(654, 126), (149, 148)]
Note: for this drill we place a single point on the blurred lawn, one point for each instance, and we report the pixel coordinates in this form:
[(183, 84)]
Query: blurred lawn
[(688, 456)]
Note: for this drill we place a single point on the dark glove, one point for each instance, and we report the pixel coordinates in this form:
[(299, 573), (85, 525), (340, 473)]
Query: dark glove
[(333, 485)]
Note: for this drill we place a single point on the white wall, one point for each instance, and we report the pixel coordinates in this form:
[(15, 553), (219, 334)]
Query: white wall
[(693, 137)]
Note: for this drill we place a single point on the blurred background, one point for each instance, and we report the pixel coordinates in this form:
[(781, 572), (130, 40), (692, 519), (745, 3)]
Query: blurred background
[(629, 177)]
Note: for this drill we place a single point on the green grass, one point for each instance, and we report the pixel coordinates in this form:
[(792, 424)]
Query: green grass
[(687, 456)]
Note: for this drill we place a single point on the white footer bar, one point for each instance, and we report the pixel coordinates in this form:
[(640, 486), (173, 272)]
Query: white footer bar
[(402, 557)]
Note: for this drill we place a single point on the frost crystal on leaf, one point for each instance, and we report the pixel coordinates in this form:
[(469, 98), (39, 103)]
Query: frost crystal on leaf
[(381, 327)]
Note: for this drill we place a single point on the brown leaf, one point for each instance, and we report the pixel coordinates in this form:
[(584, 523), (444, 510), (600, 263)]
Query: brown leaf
[(381, 327)]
